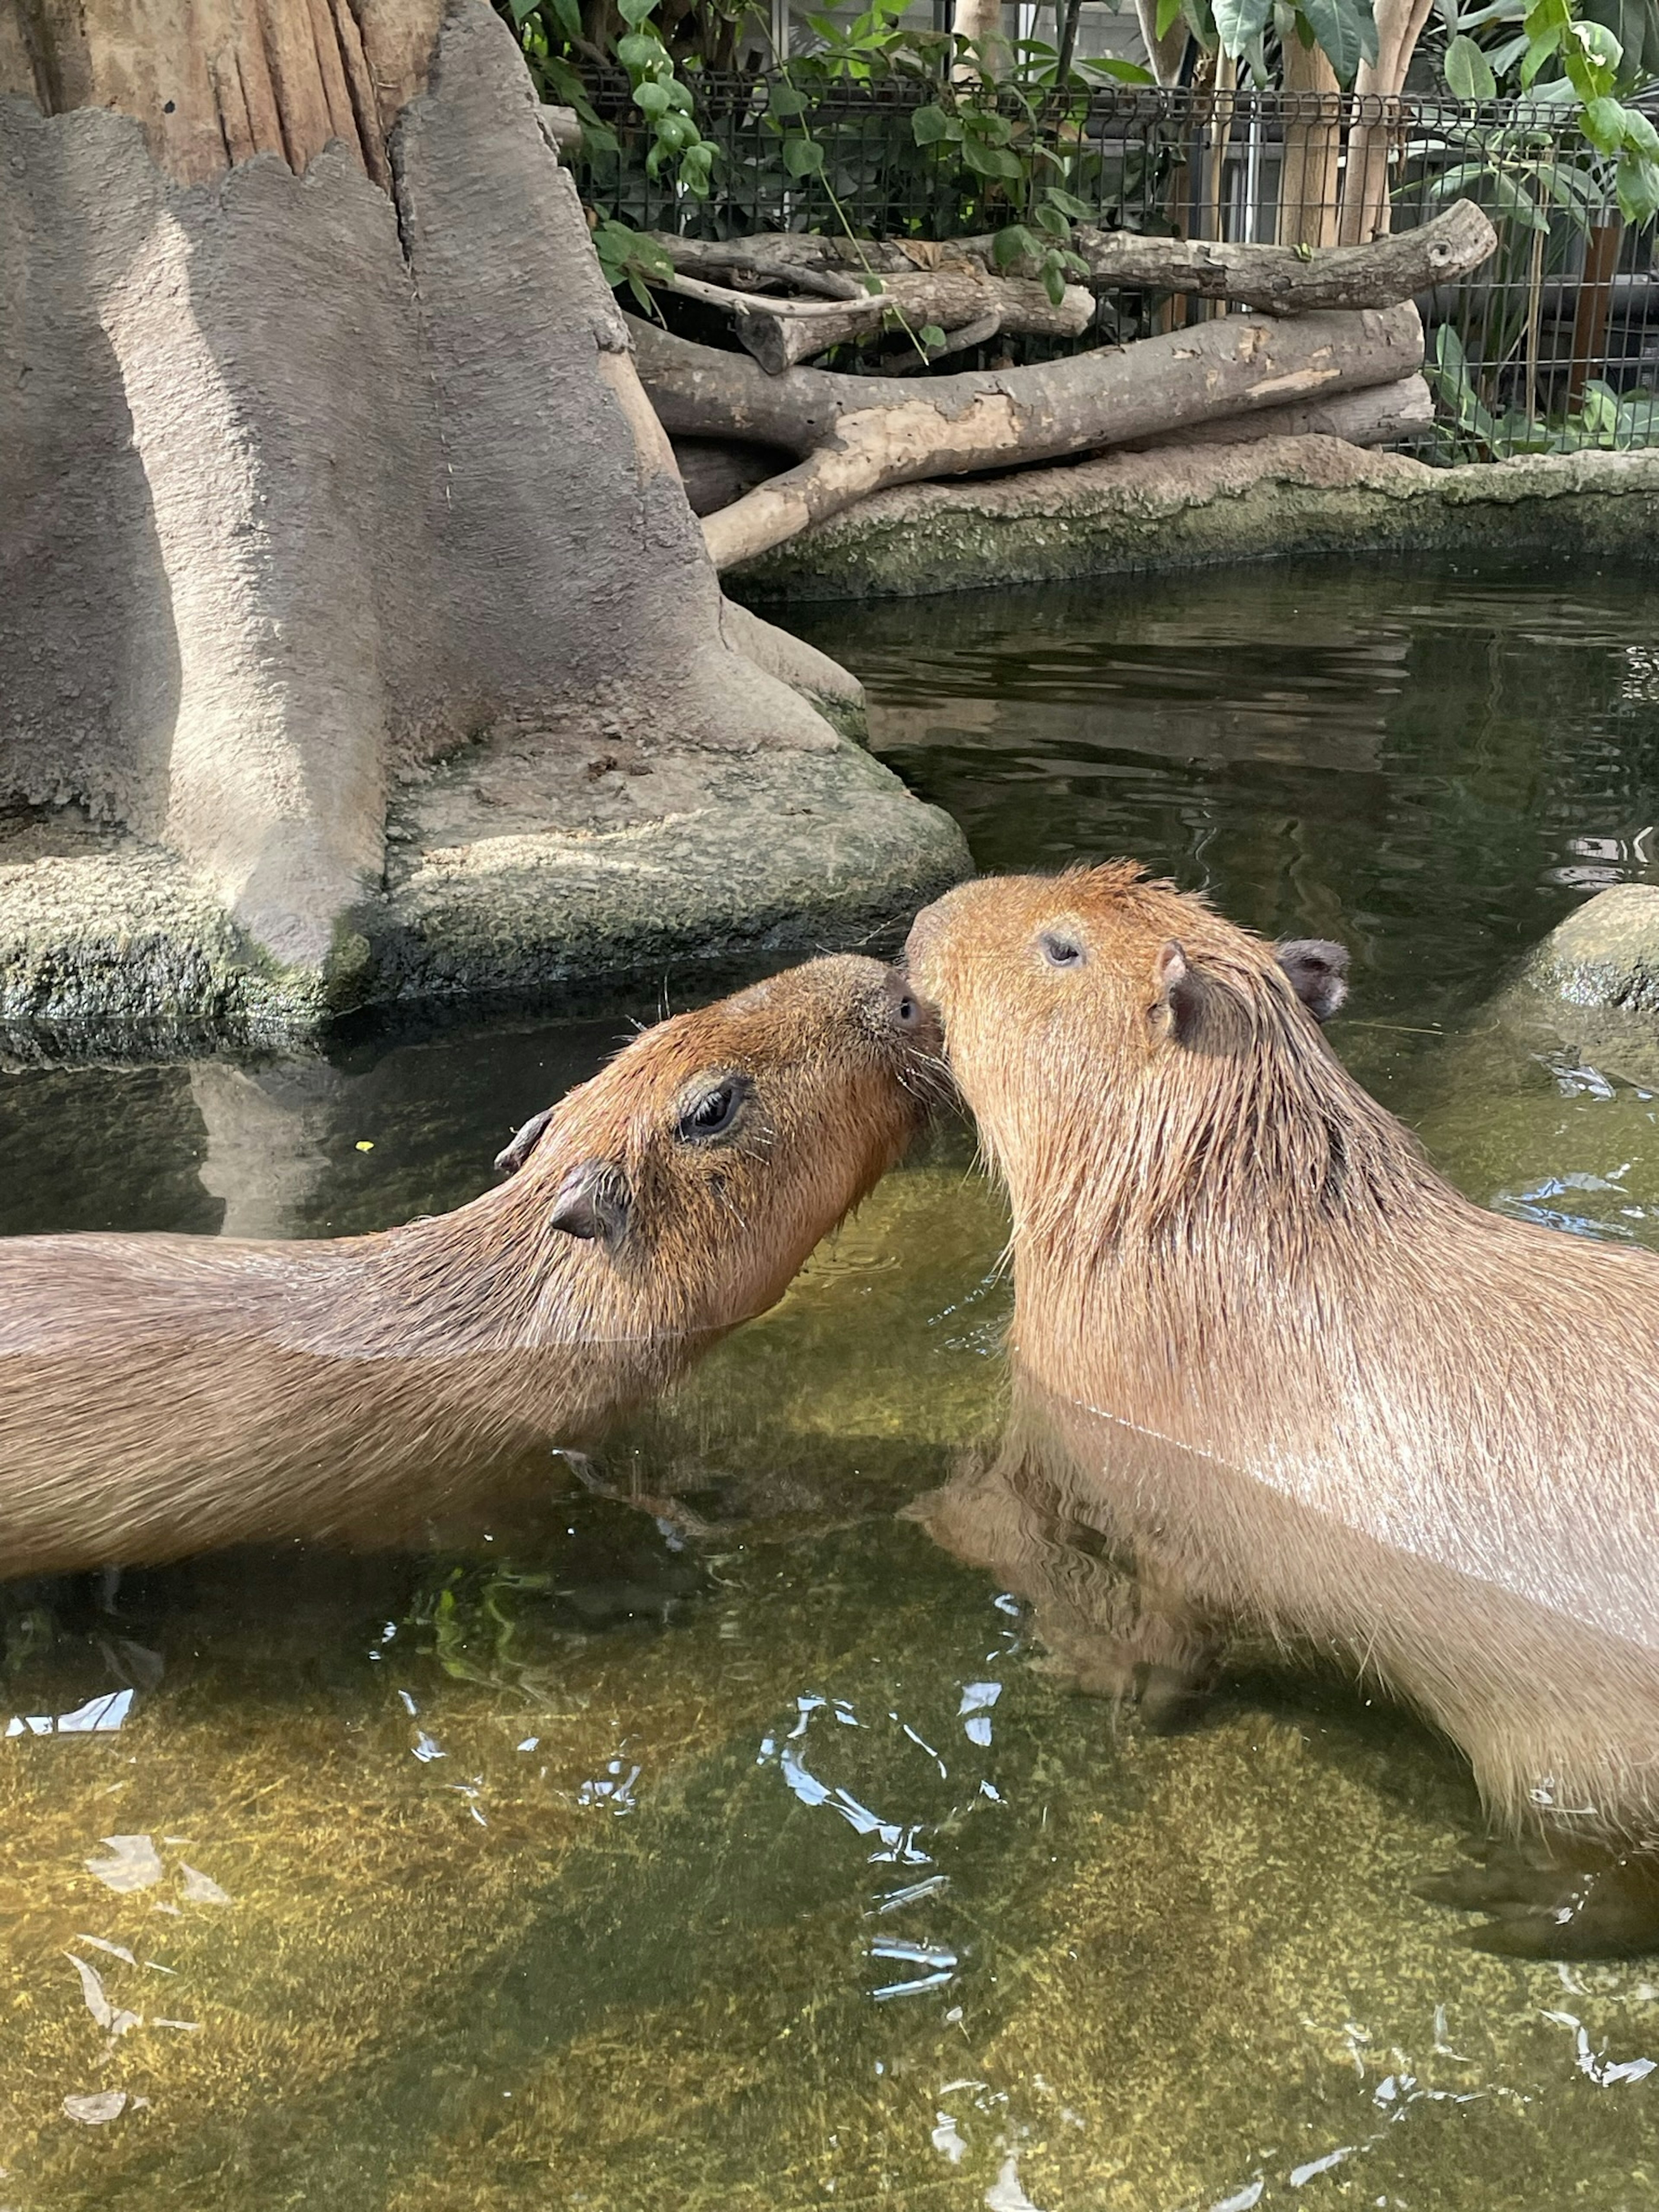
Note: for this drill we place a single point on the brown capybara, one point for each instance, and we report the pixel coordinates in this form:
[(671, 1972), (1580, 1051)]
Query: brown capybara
[(1282, 1351), (164, 1394)]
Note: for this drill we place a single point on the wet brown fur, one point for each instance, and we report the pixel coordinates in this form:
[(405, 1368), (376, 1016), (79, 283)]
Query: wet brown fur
[(1260, 1344), (163, 1394)]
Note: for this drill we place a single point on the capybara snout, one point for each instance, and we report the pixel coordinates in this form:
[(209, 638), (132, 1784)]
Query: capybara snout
[(721, 1143)]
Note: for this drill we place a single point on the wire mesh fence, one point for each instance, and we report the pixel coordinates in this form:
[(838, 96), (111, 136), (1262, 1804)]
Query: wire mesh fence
[(1553, 345)]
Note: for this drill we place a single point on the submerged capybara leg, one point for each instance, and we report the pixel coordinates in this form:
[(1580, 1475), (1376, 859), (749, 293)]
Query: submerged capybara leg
[(1556, 1898), (1140, 1643)]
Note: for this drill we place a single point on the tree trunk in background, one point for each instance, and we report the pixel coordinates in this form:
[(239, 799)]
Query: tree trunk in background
[(1164, 55), (322, 453), (1308, 180), (1365, 209)]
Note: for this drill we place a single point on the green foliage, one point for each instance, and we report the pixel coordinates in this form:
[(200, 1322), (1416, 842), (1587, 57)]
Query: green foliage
[(1344, 30), (1467, 429), (1566, 57)]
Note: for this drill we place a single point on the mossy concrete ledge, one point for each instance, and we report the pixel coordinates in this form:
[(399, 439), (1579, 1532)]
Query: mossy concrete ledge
[(504, 885), (1195, 506)]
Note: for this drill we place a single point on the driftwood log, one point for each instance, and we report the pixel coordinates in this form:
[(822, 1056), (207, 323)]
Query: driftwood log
[(1280, 280), (716, 471), (958, 296), (859, 434)]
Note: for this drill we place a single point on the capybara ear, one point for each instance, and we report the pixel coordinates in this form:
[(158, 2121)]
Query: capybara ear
[(1176, 1001), (594, 1201), (511, 1158), (1318, 970)]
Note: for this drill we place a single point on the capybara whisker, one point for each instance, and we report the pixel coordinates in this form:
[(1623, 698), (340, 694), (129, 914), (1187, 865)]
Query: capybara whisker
[(1266, 1359), (163, 1394)]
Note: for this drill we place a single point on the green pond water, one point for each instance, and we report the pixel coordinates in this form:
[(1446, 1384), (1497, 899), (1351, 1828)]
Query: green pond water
[(723, 1843)]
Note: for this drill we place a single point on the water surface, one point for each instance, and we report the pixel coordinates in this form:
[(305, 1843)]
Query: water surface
[(720, 1842)]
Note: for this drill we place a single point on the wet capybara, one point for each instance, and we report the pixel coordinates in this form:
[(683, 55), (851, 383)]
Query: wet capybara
[(164, 1394), (1239, 1285)]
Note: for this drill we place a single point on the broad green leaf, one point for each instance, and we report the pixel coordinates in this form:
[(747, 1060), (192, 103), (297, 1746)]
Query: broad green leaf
[(651, 98), (1069, 203), (1169, 15), (1344, 30), (638, 51), (929, 124), (802, 157), (1052, 221), (1054, 279), (1603, 124), (783, 100), (1239, 21), (1014, 244), (1637, 182), (1640, 135), (1512, 201), (634, 12), (990, 161), (520, 9), (570, 17), (930, 337), (1468, 73), (1119, 71)]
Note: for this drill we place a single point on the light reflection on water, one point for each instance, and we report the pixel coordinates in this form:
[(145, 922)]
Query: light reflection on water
[(698, 1834)]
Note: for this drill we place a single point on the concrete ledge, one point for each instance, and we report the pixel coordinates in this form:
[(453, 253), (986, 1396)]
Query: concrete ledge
[(784, 853), (114, 949), (1193, 505)]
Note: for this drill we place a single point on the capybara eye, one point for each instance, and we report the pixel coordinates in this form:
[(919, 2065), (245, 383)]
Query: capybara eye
[(713, 1112), (1059, 952), (909, 1014)]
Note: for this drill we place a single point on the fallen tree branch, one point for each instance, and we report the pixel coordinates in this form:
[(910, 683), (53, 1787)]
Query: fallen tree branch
[(1283, 280), (779, 334), (717, 471), (1379, 414), (1276, 279), (859, 433)]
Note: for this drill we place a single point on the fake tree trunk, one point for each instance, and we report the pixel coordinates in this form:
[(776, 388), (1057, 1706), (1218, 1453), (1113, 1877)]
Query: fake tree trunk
[(355, 633)]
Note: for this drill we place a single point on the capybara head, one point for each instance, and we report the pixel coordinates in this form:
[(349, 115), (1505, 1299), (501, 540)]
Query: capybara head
[(1099, 1023), (699, 1168)]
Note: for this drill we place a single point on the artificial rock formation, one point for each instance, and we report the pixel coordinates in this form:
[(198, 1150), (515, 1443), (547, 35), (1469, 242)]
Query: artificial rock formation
[(330, 503)]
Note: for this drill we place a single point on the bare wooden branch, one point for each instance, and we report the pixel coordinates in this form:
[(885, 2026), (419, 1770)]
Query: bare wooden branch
[(1291, 280), (781, 332), (1277, 279), (1380, 415), (861, 433)]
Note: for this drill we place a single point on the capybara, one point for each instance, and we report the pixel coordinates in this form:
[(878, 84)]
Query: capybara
[(1282, 1353), (164, 1394)]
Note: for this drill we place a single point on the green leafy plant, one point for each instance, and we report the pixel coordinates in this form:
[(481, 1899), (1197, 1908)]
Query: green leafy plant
[(1468, 430), (1344, 31)]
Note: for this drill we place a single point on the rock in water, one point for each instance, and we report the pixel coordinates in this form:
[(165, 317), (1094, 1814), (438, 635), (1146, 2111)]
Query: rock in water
[(1604, 954)]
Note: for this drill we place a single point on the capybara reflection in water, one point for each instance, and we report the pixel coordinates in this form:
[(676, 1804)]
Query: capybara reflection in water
[(163, 1394), (1282, 1351)]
